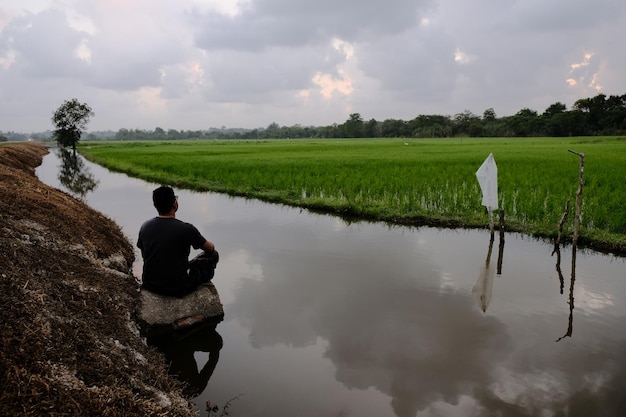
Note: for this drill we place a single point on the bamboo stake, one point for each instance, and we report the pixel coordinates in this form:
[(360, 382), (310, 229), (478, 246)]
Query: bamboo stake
[(557, 242), (570, 326), (501, 246), (578, 197)]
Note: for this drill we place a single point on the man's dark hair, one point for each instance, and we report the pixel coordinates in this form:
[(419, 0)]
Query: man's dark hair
[(163, 199)]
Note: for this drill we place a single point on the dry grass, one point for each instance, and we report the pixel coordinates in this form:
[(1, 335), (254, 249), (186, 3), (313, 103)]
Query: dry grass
[(69, 344)]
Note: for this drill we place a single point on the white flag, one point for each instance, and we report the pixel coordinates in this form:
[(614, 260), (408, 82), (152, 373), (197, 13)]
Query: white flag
[(487, 176)]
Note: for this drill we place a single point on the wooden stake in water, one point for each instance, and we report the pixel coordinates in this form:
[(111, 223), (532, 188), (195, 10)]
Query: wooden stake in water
[(579, 194), (501, 246)]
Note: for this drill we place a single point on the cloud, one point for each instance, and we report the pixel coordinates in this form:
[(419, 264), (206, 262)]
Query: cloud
[(284, 23), (556, 16), (585, 74), (251, 62), (329, 84), (44, 45)]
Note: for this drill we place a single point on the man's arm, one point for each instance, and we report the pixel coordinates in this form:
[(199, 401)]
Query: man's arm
[(208, 246)]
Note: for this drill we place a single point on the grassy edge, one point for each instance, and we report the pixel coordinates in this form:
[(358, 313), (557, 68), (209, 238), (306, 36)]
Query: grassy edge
[(591, 239)]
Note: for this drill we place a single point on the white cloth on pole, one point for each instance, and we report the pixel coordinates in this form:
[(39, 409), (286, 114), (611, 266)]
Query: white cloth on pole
[(487, 176)]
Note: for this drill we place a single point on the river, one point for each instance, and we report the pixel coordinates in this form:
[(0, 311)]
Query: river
[(329, 318)]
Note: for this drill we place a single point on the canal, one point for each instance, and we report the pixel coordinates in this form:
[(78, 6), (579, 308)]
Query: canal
[(325, 317)]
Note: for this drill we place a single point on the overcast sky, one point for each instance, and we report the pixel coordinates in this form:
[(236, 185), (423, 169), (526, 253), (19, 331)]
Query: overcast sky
[(191, 65)]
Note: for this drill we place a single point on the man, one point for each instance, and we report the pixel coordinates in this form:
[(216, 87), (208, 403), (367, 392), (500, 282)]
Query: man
[(165, 244)]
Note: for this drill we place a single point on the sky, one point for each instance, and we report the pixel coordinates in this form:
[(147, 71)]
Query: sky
[(198, 64)]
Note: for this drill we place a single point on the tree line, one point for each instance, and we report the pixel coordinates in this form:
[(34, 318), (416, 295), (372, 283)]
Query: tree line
[(596, 116)]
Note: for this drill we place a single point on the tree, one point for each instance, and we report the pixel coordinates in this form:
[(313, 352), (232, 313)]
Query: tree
[(526, 122), (70, 119), (159, 133), (371, 129), (272, 131), (393, 128), (429, 126), (568, 123), (173, 134), (614, 119), (489, 115), (554, 109), (462, 122), (595, 107), (353, 127)]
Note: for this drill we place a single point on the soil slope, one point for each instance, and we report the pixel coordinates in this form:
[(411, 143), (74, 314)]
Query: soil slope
[(69, 344)]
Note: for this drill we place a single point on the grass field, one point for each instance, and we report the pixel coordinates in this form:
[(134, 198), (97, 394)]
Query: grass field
[(419, 181)]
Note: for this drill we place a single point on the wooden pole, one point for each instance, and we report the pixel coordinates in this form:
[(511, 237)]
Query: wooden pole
[(570, 326), (501, 245), (557, 242), (578, 198)]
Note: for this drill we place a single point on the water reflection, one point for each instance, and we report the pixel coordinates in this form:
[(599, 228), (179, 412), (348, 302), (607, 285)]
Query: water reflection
[(570, 323), (180, 349), (74, 174), (483, 289), (382, 330), (557, 251), (328, 318)]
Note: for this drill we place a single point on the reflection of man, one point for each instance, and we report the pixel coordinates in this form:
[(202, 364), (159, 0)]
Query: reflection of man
[(182, 362), (165, 244)]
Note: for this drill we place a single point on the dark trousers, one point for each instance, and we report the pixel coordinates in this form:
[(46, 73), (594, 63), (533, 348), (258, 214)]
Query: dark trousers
[(202, 269)]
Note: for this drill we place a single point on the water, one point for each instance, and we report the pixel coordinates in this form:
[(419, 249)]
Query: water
[(326, 318)]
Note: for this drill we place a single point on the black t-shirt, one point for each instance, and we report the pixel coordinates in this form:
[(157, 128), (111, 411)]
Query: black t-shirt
[(165, 245)]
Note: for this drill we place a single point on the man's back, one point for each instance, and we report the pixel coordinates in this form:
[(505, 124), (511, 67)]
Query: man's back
[(165, 244)]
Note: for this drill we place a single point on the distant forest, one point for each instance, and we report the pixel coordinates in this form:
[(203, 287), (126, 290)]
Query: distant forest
[(596, 116)]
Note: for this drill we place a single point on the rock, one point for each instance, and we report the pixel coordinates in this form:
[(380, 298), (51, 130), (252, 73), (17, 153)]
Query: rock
[(161, 314)]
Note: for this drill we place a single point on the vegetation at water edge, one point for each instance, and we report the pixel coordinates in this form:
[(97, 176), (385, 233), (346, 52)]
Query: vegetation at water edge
[(411, 181)]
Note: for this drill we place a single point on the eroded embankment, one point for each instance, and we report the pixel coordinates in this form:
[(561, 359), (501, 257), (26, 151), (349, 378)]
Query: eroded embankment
[(68, 340)]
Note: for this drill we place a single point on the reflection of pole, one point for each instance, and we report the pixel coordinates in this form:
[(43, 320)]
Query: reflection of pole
[(579, 192), (570, 323), (557, 243), (488, 260), (483, 288)]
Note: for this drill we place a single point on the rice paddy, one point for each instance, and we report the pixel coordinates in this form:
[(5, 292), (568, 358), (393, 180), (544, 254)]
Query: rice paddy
[(414, 181)]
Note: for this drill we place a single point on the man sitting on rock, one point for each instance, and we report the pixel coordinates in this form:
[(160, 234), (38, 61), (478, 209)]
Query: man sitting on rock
[(165, 244)]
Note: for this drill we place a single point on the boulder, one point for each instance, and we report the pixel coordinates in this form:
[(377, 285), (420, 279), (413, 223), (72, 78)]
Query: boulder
[(161, 314)]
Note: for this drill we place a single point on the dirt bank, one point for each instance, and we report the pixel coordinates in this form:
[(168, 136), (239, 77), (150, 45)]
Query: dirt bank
[(68, 341)]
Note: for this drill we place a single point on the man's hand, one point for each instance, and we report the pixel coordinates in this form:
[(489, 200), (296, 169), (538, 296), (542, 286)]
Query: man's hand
[(208, 246)]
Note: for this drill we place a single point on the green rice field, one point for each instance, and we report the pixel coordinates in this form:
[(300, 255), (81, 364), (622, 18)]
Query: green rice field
[(412, 181)]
